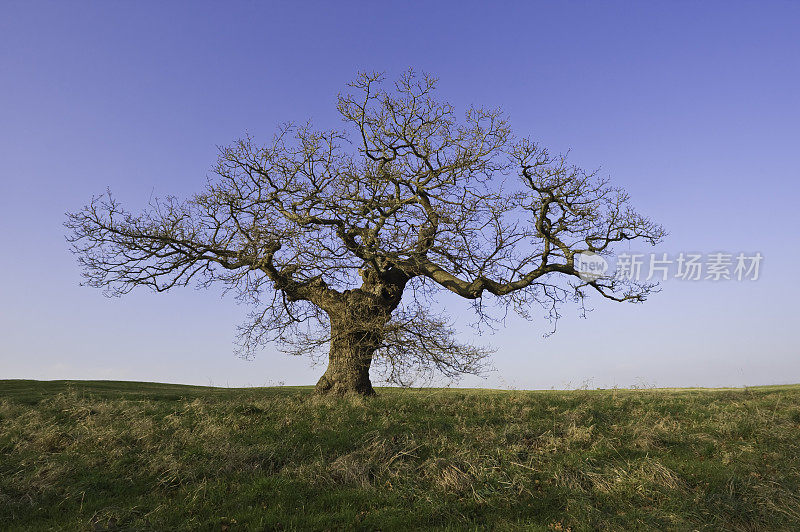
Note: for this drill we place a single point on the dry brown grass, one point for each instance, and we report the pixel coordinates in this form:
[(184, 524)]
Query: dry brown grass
[(78, 458)]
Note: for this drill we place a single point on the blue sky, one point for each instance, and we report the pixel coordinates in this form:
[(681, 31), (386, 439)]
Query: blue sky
[(694, 108)]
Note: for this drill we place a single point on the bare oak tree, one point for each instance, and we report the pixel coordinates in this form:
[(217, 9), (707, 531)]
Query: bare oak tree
[(340, 238)]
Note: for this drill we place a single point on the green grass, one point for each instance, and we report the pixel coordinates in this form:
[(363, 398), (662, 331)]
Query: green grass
[(144, 456)]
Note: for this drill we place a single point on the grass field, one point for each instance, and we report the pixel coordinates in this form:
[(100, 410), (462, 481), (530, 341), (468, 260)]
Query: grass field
[(142, 456)]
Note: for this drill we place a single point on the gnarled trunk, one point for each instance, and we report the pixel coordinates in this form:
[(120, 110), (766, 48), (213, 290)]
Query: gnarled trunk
[(357, 330), (347, 373)]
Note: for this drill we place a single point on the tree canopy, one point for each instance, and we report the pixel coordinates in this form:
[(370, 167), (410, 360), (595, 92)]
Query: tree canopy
[(339, 238)]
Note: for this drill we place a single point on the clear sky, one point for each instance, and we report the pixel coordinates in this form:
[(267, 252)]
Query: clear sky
[(693, 107)]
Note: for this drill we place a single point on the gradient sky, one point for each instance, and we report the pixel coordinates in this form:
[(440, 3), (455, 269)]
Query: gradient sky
[(693, 107)]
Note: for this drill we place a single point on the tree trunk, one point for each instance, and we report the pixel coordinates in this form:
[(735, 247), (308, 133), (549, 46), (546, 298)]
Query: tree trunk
[(347, 373), (357, 329), (356, 332)]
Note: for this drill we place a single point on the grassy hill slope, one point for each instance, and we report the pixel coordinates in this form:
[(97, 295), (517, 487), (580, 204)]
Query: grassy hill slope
[(123, 455)]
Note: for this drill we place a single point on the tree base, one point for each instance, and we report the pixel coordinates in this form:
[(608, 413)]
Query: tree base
[(342, 388)]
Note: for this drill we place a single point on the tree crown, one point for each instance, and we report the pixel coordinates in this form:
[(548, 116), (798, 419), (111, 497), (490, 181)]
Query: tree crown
[(406, 196)]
